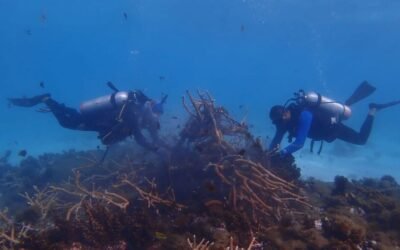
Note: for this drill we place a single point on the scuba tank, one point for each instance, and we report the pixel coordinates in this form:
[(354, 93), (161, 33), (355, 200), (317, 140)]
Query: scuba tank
[(104, 103), (324, 104)]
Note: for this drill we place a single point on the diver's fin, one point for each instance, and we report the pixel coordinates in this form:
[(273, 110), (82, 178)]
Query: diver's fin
[(164, 99), (383, 106), (112, 86), (28, 102), (365, 89)]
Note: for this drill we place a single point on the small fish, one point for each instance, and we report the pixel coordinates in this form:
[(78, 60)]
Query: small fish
[(174, 117), (241, 106), (22, 153), (43, 18), (125, 15), (135, 52), (178, 126), (162, 78), (41, 84), (28, 32), (160, 236), (242, 28)]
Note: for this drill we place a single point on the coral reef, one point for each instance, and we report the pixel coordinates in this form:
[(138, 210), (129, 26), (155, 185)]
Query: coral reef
[(217, 183)]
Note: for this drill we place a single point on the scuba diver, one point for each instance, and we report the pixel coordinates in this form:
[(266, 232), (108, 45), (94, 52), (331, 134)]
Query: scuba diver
[(320, 118), (114, 117)]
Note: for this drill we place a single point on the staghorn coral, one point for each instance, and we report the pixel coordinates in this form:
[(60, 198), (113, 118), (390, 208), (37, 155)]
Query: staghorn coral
[(206, 245), (212, 129), (202, 245), (12, 234), (83, 194), (152, 197), (253, 186), (41, 201)]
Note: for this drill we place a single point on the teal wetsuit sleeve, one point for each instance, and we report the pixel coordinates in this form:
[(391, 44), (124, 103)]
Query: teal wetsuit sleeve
[(304, 126)]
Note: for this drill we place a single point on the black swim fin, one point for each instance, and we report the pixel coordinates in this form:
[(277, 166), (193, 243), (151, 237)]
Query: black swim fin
[(383, 106), (364, 90), (28, 102), (112, 86), (164, 99)]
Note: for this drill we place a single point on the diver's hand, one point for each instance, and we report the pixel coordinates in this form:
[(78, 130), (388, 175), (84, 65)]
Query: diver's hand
[(279, 155), (283, 153), (273, 152)]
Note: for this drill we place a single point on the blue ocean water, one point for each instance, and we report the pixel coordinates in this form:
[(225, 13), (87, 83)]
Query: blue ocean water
[(250, 54)]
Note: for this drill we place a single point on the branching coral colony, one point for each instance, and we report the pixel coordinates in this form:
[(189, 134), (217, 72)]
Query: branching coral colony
[(11, 234), (206, 245), (211, 142), (212, 125), (241, 165), (258, 189)]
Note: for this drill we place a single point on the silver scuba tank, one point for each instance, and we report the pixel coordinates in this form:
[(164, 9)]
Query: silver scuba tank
[(331, 107), (104, 103)]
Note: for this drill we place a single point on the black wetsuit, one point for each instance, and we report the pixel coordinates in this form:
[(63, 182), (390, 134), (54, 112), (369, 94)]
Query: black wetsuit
[(348, 134), (110, 129)]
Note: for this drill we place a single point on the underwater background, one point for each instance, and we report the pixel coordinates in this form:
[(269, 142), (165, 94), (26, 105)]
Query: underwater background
[(250, 55)]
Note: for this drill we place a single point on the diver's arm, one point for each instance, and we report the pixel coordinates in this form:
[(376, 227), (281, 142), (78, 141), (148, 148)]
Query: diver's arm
[(280, 132), (151, 123), (302, 132), (155, 136), (153, 132), (139, 137), (142, 141)]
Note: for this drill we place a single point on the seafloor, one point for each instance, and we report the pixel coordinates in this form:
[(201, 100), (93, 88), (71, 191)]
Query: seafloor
[(215, 187)]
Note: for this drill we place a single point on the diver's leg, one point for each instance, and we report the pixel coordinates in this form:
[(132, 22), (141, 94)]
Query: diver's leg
[(66, 117), (350, 135)]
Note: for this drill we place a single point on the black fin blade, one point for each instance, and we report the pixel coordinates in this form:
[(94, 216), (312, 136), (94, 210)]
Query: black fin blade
[(384, 105), (112, 86), (28, 102), (364, 90), (164, 99)]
